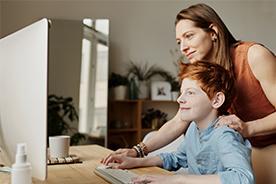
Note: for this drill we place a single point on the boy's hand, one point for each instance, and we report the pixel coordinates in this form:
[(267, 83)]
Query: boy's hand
[(120, 152), (154, 179), (122, 162)]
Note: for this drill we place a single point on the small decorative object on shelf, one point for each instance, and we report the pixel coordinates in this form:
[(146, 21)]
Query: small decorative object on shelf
[(133, 89), (175, 89), (160, 90), (117, 124), (153, 118), (175, 85), (143, 73), (119, 85)]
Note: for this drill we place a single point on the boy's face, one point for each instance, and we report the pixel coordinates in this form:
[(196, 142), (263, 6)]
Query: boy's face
[(193, 102)]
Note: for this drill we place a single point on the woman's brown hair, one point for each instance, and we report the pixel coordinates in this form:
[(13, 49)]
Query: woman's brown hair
[(204, 17)]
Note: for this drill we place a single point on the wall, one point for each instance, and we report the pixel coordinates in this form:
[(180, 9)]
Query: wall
[(65, 38), (0, 18), (144, 30)]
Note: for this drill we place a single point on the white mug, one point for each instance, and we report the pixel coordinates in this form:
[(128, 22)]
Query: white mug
[(59, 146)]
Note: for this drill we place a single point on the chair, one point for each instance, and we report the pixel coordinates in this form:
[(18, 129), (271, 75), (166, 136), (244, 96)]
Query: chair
[(264, 164)]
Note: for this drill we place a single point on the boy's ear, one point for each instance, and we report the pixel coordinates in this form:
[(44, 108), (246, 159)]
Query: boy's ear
[(218, 100)]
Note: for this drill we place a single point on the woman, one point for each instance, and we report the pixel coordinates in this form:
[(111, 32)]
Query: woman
[(202, 35)]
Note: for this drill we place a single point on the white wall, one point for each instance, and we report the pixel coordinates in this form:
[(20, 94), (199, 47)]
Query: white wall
[(0, 18), (144, 30), (65, 38)]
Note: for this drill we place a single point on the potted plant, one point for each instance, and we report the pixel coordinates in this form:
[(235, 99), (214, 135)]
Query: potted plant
[(143, 73), (175, 89), (153, 118), (119, 85), (61, 113)]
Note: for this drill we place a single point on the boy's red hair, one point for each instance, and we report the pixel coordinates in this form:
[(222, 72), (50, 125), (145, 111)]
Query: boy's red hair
[(212, 78)]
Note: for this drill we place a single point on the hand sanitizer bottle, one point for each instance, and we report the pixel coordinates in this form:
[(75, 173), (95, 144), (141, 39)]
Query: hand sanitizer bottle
[(21, 169)]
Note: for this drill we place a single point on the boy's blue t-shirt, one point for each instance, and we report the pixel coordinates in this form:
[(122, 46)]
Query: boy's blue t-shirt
[(221, 151)]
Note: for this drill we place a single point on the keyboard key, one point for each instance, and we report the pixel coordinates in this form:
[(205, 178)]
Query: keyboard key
[(115, 176)]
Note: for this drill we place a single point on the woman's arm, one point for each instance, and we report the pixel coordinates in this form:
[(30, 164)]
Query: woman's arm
[(265, 72), (263, 65), (166, 134)]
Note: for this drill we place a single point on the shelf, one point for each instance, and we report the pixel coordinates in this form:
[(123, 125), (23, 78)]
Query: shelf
[(144, 101), (147, 129), (122, 130), (130, 112), (159, 101), (124, 101)]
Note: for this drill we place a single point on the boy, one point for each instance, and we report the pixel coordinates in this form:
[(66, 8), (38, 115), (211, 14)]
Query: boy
[(212, 155)]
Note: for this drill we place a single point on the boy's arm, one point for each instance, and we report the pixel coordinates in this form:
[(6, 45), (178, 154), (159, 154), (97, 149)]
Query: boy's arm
[(174, 160), (149, 161), (169, 161), (235, 155), (178, 178), (125, 162)]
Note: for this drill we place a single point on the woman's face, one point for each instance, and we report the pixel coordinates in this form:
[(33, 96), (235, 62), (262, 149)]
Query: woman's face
[(194, 42)]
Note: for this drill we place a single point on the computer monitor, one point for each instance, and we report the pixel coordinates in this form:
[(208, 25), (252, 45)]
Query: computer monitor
[(23, 94)]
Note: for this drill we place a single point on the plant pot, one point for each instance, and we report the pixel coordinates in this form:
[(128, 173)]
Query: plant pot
[(143, 90), (119, 92), (175, 95), (155, 123)]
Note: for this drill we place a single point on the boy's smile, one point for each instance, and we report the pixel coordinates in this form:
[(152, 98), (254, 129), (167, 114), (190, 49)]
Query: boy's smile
[(195, 105)]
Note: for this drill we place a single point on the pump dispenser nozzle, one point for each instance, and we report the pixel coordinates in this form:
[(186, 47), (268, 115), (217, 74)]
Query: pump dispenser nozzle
[(21, 169), (21, 156)]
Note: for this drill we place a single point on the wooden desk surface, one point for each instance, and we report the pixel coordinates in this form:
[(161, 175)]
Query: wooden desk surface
[(82, 173)]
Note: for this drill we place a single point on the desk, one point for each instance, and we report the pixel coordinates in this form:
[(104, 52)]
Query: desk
[(82, 173)]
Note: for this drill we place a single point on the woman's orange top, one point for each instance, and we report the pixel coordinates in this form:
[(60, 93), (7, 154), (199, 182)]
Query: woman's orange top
[(250, 102)]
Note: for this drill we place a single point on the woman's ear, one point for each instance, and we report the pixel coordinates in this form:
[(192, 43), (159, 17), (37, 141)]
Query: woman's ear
[(214, 32), (218, 100)]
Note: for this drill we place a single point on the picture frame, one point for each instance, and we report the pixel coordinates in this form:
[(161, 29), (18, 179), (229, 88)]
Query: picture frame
[(160, 90)]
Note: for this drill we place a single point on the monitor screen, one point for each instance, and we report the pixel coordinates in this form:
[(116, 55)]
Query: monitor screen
[(23, 94)]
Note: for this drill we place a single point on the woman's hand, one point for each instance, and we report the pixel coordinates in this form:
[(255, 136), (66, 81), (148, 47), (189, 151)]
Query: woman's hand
[(232, 121), (120, 152), (154, 179)]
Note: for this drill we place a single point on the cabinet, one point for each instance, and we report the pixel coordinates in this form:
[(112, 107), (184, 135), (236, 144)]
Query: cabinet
[(125, 120)]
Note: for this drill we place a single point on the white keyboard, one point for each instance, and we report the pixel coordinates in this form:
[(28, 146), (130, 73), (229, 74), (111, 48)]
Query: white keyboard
[(115, 176)]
